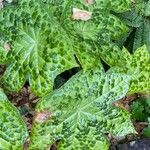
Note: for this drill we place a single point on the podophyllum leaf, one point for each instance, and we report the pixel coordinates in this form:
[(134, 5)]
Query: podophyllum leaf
[(44, 38), (101, 23), (40, 47), (137, 65), (80, 113), (13, 131)]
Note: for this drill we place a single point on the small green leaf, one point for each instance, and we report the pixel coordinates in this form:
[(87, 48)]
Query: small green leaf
[(146, 131), (80, 113), (13, 131), (138, 111), (138, 17)]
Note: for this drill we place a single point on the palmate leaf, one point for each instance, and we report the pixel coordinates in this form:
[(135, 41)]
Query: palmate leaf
[(137, 65), (40, 47), (44, 38), (13, 131), (103, 27), (80, 113), (102, 23)]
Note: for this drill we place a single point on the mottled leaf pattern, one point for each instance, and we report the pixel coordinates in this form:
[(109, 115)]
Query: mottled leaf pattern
[(102, 22), (137, 65), (44, 39), (40, 47), (80, 113), (13, 131), (41, 39)]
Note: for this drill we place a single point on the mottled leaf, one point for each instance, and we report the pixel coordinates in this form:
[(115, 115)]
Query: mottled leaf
[(44, 39), (40, 47), (81, 112), (138, 67), (13, 131), (101, 23)]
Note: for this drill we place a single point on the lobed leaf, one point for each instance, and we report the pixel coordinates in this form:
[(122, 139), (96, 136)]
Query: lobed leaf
[(80, 113), (44, 39)]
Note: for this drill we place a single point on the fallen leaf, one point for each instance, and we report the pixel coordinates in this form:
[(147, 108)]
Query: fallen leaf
[(79, 14), (133, 1), (89, 2), (7, 46), (40, 117), (1, 4)]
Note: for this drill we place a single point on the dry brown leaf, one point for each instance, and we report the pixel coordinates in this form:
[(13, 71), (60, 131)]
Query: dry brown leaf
[(89, 2), (42, 116), (1, 4), (133, 1), (7, 46), (79, 14)]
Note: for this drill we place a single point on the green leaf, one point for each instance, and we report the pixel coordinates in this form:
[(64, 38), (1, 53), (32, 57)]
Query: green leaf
[(13, 131), (146, 131), (147, 8), (80, 113), (138, 111), (142, 35), (131, 18), (102, 22), (40, 47), (44, 39), (141, 109), (138, 17), (137, 66)]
